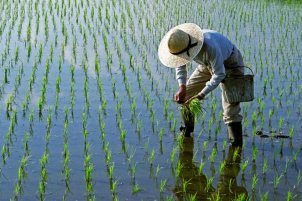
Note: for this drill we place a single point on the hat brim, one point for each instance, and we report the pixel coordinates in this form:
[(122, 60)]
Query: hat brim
[(174, 61)]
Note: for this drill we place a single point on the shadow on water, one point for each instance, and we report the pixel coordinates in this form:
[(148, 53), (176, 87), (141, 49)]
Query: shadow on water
[(193, 185)]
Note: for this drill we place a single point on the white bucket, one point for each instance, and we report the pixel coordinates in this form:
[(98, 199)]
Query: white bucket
[(238, 88)]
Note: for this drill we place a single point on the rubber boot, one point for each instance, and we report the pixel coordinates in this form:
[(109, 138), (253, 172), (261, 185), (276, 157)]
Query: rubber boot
[(235, 133), (187, 126)]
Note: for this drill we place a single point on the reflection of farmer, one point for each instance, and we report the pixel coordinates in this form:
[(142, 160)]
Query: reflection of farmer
[(196, 183), (227, 188), (216, 56)]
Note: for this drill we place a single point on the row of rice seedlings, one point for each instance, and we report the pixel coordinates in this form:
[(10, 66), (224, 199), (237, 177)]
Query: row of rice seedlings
[(30, 84), (120, 125), (123, 132), (44, 158), (108, 162), (86, 87), (132, 169), (99, 83), (87, 160), (6, 51), (7, 143), (72, 90), (42, 97), (131, 99), (58, 82), (66, 154), (105, 144), (22, 175), (108, 158), (11, 97)]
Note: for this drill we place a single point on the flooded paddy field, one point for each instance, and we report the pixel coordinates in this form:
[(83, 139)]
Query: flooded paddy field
[(87, 112)]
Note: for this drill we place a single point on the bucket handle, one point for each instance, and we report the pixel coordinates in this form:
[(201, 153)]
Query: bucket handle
[(242, 67)]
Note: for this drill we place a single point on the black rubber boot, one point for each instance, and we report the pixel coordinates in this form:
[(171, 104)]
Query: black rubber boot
[(235, 133), (187, 126)]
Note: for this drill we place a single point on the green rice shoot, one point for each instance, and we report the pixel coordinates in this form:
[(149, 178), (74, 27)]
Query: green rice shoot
[(194, 107)]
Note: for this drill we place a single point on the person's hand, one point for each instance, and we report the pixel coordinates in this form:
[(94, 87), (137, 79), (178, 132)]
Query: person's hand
[(180, 94), (198, 96)]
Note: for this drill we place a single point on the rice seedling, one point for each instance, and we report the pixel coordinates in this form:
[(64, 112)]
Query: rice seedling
[(44, 177), (291, 132), (222, 167), (299, 178), (179, 167), (286, 165), (213, 155), (264, 197), (172, 154), (6, 74), (162, 185), (185, 184), (255, 152), (193, 107), (133, 171), (135, 188), (209, 183), (265, 166), (108, 156), (289, 196), (224, 144), (204, 146), (123, 135), (161, 134), (201, 166), (58, 81), (277, 180), (151, 157), (158, 168), (281, 120), (254, 182)]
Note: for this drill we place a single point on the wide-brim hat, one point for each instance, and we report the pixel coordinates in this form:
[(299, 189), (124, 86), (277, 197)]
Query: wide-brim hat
[(180, 45)]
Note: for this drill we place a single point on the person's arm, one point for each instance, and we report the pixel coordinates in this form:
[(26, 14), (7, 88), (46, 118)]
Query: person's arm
[(181, 75), (218, 70)]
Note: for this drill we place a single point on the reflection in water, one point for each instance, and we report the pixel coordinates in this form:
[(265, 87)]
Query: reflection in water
[(227, 187), (189, 181), (191, 184)]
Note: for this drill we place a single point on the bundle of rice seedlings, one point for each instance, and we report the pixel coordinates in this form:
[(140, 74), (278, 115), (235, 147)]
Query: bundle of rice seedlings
[(193, 108)]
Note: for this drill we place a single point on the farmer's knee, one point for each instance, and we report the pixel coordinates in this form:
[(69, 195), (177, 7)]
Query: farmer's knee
[(231, 112)]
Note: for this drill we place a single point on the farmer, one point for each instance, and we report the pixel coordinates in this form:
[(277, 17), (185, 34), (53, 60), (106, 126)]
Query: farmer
[(216, 55)]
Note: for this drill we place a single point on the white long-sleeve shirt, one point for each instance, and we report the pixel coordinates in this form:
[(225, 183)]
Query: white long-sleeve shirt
[(215, 50)]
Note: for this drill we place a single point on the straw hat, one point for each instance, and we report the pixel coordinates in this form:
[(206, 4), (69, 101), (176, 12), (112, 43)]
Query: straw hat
[(180, 45)]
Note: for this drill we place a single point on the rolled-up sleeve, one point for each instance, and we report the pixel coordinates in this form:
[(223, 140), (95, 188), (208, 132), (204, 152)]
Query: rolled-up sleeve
[(181, 75), (218, 71)]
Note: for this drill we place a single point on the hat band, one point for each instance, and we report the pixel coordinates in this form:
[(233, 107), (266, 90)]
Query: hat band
[(189, 46)]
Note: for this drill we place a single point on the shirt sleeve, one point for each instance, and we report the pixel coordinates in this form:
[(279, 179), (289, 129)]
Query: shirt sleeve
[(181, 75), (216, 60)]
